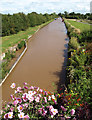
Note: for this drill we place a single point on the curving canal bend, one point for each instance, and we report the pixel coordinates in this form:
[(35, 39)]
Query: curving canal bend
[(43, 64)]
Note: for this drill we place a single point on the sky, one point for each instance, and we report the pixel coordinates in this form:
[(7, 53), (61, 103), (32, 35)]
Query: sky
[(44, 6)]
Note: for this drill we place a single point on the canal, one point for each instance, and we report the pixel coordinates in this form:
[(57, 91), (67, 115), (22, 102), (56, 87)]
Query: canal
[(44, 63)]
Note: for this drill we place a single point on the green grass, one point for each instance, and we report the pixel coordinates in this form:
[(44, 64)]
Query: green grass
[(81, 26), (9, 41)]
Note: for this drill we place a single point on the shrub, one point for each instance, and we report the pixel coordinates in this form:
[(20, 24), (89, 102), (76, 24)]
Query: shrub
[(73, 43), (9, 55), (21, 44)]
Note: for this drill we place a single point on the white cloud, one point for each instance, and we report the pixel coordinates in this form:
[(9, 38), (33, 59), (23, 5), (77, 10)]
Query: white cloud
[(42, 6)]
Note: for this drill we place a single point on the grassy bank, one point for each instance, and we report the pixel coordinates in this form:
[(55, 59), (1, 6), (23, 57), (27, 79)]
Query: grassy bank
[(81, 26), (9, 41)]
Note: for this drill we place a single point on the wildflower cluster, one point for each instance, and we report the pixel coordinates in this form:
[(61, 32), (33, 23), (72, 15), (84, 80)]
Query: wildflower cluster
[(35, 103), (30, 102)]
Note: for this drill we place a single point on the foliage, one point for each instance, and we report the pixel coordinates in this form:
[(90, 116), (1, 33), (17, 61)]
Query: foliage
[(3, 70), (79, 66), (9, 55), (21, 44), (3, 66), (12, 24), (85, 36), (73, 44), (73, 15), (11, 40), (31, 102)]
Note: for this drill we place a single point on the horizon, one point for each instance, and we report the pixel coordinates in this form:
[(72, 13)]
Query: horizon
[(45, 6)]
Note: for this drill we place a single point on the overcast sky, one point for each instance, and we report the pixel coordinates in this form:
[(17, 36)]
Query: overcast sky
[(44, 6)]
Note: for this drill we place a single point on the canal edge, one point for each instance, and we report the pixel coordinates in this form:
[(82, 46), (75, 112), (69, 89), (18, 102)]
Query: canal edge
[(16, 62), (20, 57)]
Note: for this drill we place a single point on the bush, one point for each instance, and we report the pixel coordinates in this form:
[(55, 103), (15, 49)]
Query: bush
[(21, 44), (73, 43), (9, 55)]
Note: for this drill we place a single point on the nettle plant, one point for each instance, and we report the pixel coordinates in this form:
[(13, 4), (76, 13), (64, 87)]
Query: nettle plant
[(31, 102)]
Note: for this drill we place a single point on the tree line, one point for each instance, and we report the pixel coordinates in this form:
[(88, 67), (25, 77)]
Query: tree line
[(11, 24), (74, 15)]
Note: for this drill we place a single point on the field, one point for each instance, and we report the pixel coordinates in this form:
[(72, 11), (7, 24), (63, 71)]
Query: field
[(81, 26), (9, 41)]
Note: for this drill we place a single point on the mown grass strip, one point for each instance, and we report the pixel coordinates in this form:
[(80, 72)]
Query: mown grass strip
[(81, 26), (9, 41)]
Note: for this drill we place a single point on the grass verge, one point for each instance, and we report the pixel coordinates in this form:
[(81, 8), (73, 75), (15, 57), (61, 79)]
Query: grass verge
[(81, 26), (9, 41)]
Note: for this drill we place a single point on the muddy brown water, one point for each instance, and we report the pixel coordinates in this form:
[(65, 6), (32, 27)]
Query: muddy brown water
[(43, 64)]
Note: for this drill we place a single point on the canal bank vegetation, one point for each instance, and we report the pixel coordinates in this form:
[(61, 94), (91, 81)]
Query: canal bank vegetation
[(79, 66), (18, 23), (12, 24), (79, 16), (9, 56)]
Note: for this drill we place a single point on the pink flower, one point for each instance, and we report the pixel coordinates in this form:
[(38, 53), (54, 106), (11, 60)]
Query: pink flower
[(63, 108), (12, 97), (50, 107), (32, 87), (72, 112), (11, 109), (68, 117), (41, 90), (24, 97), (31, 99), (54, 111), (6, 116), (20, 108), (13, 85), (21, 115), (25, 83), (19, 100), (25, 105), (37, 99), (40, 110), (45, 99), (39, 95), (44, 112), (10, 115), (15, 102), (19, 89), (26, 116), (25, 87), (37, 88)]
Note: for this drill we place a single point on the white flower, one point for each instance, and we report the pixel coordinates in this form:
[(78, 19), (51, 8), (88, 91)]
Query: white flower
[(54, 111), (72, 112), (21, 115), (37, 99), (20, 108), (13, 85), (53, 97), (10, 115), (49, 98), (31, 99)]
